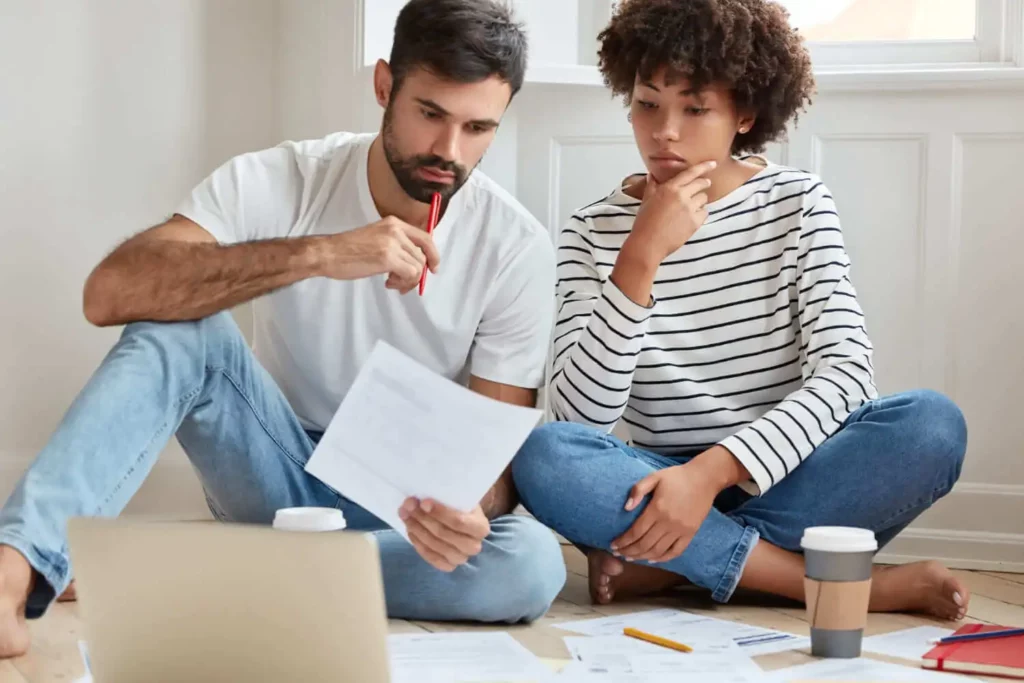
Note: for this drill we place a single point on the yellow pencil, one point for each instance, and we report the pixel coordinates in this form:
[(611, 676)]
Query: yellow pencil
[(657, 640)]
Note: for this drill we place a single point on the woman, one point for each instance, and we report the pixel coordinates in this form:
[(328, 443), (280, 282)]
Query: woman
[(708, 305)]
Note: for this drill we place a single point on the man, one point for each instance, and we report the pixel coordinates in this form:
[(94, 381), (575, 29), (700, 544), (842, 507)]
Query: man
[(327, 237)]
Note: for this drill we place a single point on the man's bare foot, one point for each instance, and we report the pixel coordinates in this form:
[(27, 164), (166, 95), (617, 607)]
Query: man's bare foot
[(612, 578), (926, 587), (15, 584), (69, 594)]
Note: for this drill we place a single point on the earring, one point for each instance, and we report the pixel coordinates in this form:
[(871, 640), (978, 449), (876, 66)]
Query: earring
[(743, 130), (629, 117)]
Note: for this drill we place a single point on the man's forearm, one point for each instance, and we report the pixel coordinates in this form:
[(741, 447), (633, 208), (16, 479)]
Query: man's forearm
[(502, 498), (166, 280)]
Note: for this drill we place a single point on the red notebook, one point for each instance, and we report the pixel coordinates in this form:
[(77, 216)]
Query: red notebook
[(995, 657)]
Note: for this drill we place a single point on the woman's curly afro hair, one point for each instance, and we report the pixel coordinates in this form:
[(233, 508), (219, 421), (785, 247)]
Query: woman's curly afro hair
[(746, 45)]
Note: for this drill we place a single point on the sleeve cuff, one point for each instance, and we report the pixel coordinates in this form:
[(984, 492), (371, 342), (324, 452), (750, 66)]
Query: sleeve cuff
[(759, 474), (626, 308), (492, 373)]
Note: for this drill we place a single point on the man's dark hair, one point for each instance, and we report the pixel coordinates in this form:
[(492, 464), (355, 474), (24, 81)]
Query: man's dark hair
[(461, 40), (747, 45)]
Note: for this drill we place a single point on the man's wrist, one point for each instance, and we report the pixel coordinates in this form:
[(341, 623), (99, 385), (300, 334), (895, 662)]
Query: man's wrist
[(323, 253), (722, 468), (316, 254), (499, 500)]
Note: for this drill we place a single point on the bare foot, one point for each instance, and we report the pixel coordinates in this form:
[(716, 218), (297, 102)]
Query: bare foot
[(926, 587), (69, 594), (612, 578), (15, 583)]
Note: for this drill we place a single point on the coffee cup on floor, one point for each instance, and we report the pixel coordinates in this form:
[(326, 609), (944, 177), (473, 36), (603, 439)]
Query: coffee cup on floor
[(309, 519), (837, 587)]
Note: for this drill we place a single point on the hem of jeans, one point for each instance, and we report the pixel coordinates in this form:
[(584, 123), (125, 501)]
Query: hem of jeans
[(55, 578), (731, 578)]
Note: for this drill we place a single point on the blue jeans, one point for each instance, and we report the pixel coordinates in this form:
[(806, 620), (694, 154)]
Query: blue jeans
[(890, 461), (200, 381)]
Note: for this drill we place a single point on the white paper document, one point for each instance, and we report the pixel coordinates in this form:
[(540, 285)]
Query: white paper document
[(462, 658), (644, 621), (621, 658), (403, 430), (610, 648), (578, 672), (700, 633), (591, 648), (868, 670), (911, 643), (623, 655)]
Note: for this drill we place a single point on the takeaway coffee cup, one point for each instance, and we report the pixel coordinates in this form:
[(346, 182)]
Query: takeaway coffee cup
[(309, 519), (837, 586)]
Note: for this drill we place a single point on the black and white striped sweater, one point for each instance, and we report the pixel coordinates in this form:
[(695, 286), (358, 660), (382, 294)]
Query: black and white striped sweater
[(755, 339)]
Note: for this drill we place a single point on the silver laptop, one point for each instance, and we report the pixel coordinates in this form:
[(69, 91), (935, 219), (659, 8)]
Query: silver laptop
[(204, 601)]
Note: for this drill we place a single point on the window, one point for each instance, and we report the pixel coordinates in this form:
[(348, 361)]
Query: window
[(862, 20), (921, 32)]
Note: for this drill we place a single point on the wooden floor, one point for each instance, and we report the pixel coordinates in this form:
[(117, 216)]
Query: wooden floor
[(997, 598)]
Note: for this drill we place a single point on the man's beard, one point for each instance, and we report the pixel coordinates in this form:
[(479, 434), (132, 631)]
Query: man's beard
[(405, 169)]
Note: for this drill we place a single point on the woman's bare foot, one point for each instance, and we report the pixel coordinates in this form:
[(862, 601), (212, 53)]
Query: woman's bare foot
[(15, 583), (926, 587), (612, 578)]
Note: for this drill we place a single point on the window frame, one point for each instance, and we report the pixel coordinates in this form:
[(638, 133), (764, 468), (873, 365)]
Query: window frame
[(998, 41)]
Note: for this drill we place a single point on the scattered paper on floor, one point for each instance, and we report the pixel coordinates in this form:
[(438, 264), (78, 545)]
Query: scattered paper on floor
[(861, 669), (694, 630), (911, 643), (578, 672), (462, 658)]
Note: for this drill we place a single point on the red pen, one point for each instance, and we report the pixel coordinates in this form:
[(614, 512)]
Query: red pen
[(435, 212)]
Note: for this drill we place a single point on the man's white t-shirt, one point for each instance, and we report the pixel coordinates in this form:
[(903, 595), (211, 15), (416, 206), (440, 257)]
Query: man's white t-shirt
[(488, 311)]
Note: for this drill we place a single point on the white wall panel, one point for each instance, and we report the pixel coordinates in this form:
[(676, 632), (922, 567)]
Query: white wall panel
[(987, 364), (882, 219), (582, 169)]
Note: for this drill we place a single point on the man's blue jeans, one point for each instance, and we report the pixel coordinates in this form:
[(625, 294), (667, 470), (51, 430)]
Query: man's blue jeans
[(892, 459), (200, 381)]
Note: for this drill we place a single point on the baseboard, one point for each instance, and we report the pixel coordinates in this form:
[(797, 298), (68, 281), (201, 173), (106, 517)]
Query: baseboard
[(988, 489), (981, 550), (979, 507)]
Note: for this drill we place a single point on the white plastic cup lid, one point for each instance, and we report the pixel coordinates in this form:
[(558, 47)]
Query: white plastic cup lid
[(309, 519), (839, 539)]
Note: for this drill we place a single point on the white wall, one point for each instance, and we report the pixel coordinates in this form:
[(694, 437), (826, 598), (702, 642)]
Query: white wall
[(110, 111), (321, 83)]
